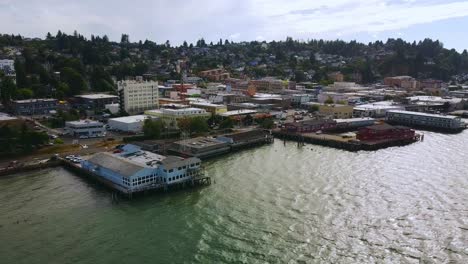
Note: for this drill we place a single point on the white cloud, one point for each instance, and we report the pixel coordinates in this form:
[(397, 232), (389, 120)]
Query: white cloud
[(179, 20)]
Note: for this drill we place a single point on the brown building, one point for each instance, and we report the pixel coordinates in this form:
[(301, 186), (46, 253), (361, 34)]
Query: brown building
[(336, 76), (215, 74)]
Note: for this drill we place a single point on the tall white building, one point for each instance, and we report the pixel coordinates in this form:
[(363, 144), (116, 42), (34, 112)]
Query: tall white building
[(138, 96)]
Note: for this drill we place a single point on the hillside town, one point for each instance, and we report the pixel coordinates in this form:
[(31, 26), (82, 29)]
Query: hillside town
[(143, 112)]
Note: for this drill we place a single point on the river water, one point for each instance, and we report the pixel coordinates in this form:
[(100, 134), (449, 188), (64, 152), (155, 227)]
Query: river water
[(272, 204)]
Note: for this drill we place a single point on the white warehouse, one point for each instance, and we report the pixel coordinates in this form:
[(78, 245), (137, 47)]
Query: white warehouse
[(128, 123)]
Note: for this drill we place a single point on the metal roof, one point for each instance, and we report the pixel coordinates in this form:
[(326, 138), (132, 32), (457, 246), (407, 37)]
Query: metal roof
[(116, 164), (422, 114)]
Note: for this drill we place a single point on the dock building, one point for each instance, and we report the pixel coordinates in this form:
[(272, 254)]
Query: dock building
[(434, 121), (135, 170), (85, 128)]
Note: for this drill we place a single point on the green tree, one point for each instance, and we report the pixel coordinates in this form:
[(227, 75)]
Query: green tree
[(7, 89), (226, 123), (314, 108), (74, 80), (153, 128), (199, 125), (24, 93), (329, 100), (267, 123)]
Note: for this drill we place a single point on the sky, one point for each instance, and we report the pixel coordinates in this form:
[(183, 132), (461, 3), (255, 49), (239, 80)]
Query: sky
[(242, 20)]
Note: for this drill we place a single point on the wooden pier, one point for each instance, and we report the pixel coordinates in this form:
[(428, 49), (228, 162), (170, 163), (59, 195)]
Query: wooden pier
[(349, 145)]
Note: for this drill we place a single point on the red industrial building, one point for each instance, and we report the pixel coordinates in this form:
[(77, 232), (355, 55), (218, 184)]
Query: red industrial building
[(385, 132)]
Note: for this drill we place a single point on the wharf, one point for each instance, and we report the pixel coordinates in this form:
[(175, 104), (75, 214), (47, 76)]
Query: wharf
[(349, 144), (199, 180)]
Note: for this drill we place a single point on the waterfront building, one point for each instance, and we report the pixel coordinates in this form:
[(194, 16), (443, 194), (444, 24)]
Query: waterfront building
[(336, 111), (308, 126), (136, 96), (131, 124), (96, 101), (171, 116), (352, 123), (34, 106), (200, 147), (445, 122), (134, 169), (385, 132), (85, 128)]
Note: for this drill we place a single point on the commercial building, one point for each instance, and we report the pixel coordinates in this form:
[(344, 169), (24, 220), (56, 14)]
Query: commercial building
[(215, 74), (171, 116), (405, 82), (308, 126), (336, 111), (444, 122), (239, 113), (385, 132), (336, 76), (85, 129), (268, 84), (132, 124), (134, 169), (298, 99), (96, 101), (377, 109), (336, 97), (352, 123), (214, 109), (200, 147), (138, 96), (34, 106)]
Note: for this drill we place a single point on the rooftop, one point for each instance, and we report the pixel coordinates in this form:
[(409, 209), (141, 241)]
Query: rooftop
[(130, 119), (84, 122), (96, 96), (6, 117), (239, 112), (423, 114), (115, 163), (35, 100), (199, 142)]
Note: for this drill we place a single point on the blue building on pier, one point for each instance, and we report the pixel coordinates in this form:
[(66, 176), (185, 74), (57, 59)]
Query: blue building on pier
[(136, 170)]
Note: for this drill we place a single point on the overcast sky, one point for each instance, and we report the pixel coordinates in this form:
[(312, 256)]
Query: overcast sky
[(178, 20)]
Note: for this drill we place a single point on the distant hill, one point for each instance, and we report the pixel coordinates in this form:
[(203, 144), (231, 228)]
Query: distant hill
[(64, 65)]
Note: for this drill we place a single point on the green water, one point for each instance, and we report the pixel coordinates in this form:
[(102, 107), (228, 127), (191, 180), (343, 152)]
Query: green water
[(272, 204)]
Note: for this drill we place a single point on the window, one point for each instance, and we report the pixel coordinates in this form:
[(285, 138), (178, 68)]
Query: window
[(171, 170)]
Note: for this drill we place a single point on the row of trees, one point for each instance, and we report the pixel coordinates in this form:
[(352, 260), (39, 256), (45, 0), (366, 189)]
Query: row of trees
[(156, 129), (20, 140)]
